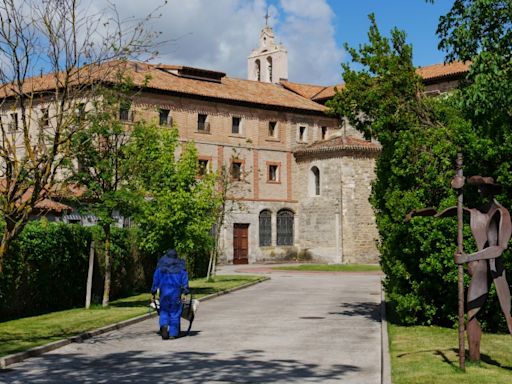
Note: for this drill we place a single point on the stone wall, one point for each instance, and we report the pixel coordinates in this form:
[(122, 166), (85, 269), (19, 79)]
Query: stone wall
[(339, 224)]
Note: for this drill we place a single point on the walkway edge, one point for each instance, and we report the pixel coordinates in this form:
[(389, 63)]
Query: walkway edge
[(37, 351), (385, 357)]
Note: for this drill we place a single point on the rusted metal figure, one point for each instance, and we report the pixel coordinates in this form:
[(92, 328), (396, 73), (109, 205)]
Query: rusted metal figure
[(492, 228)]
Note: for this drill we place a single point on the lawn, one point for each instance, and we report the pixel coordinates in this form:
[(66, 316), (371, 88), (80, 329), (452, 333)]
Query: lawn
[(422, 355), (331, 267), (22, 334)]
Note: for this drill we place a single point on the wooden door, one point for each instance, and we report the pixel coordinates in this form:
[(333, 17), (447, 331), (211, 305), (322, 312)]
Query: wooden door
[(240, 244)]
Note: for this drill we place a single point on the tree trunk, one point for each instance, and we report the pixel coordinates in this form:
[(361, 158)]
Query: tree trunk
[(214, 264), (210, 262), (10, 232), (89, 276), (106, 287), (4, 245)]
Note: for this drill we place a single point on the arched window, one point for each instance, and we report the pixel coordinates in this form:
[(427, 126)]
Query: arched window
[(269, 68), (258, 70), (285, 227), (265, 228), (314, 181)]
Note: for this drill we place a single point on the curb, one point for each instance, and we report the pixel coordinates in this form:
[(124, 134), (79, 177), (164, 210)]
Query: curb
[(385, 364), (37, 351)]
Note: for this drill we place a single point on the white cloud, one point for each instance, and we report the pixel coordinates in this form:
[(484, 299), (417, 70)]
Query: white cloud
[(220, 34), (308, 32)]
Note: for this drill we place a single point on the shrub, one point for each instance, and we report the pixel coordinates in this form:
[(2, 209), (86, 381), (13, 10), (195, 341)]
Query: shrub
[(47, 268)]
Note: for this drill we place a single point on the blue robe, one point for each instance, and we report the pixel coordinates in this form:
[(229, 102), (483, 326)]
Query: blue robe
[(171, 278)]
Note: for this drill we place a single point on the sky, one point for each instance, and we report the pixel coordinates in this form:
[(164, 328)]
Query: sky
[(220, 34)]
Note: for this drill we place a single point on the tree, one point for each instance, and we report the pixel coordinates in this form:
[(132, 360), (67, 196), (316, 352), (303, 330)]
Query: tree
[(480, 32), (71, 46), (102, 165), (419, 138), (227, 187), (178, 204)]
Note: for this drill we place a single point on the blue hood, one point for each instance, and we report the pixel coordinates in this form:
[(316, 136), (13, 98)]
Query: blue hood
[(169, 264)]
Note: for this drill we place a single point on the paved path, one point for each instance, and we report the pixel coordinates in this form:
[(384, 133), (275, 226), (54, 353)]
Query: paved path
[(294, 328)]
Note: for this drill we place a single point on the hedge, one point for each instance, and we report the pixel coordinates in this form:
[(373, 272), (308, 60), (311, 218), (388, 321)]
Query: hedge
[(46, 269)]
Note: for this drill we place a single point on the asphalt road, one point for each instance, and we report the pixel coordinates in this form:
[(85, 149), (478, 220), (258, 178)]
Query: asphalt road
[(294, 328)]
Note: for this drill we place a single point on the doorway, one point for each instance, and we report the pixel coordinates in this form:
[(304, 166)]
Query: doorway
[(240, 243)]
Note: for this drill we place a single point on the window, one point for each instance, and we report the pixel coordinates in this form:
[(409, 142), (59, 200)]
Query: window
[(44, 117), (163, 118), (236, 169), (273, 173), (202, 124), (272, 129), (258, 70), (285, 227), (235, 125), (269, 68), (302, 134), (265, 228), (324, 133), (203, 167), (124, 111), (80, 113), (315, 181), (13, 126)]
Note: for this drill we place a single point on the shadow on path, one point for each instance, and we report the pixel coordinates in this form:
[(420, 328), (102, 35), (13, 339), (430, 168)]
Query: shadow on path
[(367, 310), (177, 367)]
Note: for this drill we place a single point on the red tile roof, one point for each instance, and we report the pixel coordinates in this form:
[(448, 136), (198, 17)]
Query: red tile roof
[(194, 81), (339, 144), (311, 91), (53, 206), (167, 78), (431, 73), (439, 71), (48, 203), (305, 90)]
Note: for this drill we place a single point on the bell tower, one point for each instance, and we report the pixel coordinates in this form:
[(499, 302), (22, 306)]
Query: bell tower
[(269, 62)]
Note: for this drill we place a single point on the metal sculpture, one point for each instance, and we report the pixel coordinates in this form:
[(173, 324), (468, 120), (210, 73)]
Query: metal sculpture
[(491, 227)]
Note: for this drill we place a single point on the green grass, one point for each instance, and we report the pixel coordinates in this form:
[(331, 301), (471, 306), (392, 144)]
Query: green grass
[(22, 334), (422, 355), (331, 267)]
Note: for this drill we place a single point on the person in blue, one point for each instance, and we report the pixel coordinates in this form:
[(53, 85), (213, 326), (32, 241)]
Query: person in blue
[(171, 279)]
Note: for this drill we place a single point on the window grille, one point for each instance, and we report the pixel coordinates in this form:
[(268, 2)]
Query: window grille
[(285, 227), (124, 114), (265, 228)]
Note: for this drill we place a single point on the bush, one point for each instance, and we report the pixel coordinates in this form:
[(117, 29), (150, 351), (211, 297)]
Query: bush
[(46, 269)]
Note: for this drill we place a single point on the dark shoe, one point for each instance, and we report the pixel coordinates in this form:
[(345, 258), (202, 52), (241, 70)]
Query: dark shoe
[(164, 332)]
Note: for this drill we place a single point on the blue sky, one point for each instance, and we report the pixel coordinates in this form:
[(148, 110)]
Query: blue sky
[(220, 34), (416, 17)]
